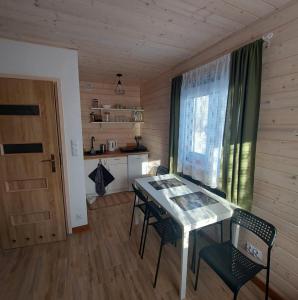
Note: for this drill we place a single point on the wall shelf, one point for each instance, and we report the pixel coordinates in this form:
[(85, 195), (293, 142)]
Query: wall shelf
[(126, 122), (116, 109), (137, 115)]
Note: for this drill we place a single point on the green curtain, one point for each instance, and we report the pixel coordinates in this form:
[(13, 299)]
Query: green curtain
[(174, 123), (241, 124)]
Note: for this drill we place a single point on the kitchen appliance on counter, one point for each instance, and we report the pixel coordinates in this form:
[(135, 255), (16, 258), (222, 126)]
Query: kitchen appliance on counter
[(102, 148), (133, 149), (137, 148), (112, 145)]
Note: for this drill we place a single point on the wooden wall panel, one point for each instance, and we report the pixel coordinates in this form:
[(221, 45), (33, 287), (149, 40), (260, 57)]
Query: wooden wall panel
[(276, 176), (145, 38), (123, 133)]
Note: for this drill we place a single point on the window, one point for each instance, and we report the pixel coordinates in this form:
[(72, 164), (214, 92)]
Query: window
[(202, 115)]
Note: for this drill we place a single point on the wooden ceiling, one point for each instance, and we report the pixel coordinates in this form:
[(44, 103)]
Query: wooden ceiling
[(139, 38)]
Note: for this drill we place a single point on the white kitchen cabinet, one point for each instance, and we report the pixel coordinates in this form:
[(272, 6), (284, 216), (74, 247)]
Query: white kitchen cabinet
[(117, 166), (124, 169), (137, 167)]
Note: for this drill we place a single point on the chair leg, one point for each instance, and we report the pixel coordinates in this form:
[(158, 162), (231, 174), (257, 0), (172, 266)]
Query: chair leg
[(197, 275), (221, 231), (143, 230), (267, 285), (158, 262), (194, 253), (235, 295), (145, 237), (132, 216)]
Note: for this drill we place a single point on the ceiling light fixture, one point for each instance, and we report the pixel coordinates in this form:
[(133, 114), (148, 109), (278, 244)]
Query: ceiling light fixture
[(119, 90)]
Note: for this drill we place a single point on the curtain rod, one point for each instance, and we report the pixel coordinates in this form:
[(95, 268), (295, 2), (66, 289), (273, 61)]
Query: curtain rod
[(267, 38)]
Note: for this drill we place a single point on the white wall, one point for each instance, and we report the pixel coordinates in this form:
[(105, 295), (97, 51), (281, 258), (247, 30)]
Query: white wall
[(32, 60)]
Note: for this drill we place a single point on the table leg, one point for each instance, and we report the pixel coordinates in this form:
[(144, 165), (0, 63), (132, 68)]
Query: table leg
[(138, 214), (184, 254)]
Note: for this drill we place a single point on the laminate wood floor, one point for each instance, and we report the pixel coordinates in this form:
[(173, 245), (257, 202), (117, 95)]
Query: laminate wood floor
[(103, 263)]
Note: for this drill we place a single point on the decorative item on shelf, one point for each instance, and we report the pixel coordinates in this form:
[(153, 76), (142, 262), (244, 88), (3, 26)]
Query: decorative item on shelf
[(140, 116), (98, 117), (137, 116), (107, 106), (106, 117), (92, 117), (95, 103), (119, 90)]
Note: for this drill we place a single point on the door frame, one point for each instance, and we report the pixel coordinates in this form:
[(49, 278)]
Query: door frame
[(61, 140)]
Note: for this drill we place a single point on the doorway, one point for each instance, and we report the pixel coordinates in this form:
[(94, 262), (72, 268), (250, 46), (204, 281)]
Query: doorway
[(31, 190)]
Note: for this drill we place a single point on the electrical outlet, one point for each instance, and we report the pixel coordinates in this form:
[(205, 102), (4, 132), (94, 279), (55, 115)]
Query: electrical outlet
[(254, 251)]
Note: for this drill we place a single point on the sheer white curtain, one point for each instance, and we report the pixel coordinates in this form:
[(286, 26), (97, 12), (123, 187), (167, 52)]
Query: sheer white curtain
[(203, 103)]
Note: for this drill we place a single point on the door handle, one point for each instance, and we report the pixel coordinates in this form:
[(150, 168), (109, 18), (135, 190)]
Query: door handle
[(52, 161)]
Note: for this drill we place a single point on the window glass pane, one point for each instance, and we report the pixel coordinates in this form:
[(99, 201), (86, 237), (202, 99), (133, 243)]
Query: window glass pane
[(201, 108), (19, 110), (22, 148), (203, 102)]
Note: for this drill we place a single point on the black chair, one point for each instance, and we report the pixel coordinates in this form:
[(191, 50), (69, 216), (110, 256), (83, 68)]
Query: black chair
[(235, 268), (168, 230), (162, 170), (161, 213)]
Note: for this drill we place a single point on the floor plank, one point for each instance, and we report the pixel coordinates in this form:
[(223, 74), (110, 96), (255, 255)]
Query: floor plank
[(103, 263)]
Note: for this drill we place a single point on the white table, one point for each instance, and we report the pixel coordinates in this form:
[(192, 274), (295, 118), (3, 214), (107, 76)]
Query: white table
[(189, 220)]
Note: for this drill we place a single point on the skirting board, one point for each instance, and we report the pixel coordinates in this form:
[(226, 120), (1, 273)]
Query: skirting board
[(272, 293), (81, 229)]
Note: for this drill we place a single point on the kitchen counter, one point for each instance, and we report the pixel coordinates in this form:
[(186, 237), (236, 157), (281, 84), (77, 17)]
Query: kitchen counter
[(117, 153), (125, 167)]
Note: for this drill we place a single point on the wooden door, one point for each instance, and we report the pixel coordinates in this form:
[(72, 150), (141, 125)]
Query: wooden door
[(31, 195)]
